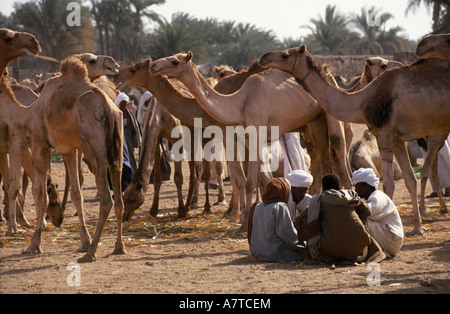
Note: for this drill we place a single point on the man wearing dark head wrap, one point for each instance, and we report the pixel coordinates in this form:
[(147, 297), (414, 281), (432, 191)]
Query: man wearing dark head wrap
[(271, 234), (336, 231)]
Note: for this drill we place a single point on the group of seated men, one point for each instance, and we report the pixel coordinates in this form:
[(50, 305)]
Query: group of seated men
[(337, 226)]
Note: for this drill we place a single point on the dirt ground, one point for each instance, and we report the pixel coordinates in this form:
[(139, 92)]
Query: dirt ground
[(207, 254)]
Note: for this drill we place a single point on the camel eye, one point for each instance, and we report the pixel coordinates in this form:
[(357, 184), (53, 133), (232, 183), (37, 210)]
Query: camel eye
[(132, 70), (175, 62), (284, 55), (92, 61)]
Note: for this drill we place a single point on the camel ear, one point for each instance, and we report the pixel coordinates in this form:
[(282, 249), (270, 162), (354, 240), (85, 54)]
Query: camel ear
[(189, 56), (302, 49)]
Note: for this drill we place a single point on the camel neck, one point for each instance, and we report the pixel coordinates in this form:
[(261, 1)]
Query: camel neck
[(340, 105), (224, 108), (183, 108)]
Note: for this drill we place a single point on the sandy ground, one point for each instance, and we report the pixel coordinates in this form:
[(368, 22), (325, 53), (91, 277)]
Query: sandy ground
[(207, 254)]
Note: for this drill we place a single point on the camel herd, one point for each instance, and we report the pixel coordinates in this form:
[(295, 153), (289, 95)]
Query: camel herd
[(74, 115)]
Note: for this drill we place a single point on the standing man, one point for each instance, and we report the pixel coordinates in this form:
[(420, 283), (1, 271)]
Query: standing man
[(384, 224)]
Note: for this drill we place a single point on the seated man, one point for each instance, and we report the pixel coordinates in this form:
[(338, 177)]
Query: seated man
[(299, 199), (271, 234), (335, 227), (384, 224)]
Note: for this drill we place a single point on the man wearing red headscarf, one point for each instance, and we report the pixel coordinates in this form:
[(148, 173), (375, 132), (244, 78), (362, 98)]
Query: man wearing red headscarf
[(271, 233)]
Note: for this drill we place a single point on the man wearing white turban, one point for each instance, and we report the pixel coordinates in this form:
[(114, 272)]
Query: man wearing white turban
[(384, 224), (142, 108), (299, 199)]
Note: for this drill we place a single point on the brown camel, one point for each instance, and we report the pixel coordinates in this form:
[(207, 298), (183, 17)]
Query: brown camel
[(434, 47), (402, 104), (185, 108), (91, 122), (158, 123), (244, 108)]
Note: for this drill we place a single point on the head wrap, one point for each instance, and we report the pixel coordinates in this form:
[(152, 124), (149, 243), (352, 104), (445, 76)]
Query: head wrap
[(146, 96), (277, 190), (366, 175), (300, 179), (121, 97)]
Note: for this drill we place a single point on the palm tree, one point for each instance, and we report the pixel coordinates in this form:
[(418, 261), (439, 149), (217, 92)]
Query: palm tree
[(47, 20), (178, 35), (329, 34), (440, 16), (140, 7), (375, 38)]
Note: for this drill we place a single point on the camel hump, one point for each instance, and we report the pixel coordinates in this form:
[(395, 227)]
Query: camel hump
[(73, 66)]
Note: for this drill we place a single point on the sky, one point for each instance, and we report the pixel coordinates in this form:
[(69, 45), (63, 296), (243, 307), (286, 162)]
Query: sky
[(286, 17)]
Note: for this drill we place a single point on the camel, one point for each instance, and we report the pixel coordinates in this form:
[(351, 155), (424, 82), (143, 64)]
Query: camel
[(158, 123), (364, 153), (244, 108), (178, 103), (91, 122), (402, 104), (434, 46)]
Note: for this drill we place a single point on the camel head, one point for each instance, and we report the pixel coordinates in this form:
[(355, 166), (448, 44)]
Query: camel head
[(219, 72), (15, 44), (99, 65), (294, 59), (135, 75), (133, 197), (54, 208), (374, 66), (434, 46), (171, 66)]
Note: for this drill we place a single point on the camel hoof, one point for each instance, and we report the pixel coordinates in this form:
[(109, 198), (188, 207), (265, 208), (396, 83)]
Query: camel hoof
[(443, 210), (224, 203), (31, 250), (119, 251), (86, 259), (416, 231)]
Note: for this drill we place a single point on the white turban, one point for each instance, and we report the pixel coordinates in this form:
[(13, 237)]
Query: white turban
[(366, 175), (146, 96), (299, 178), (121, 97)]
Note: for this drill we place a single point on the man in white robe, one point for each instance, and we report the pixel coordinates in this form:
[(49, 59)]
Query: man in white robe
[(384, 224)]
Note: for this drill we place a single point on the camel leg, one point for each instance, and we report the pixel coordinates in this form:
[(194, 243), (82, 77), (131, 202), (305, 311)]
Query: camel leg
[(157, 181), (237, 179), (77, 199), (14, 176), (192, 181), (338, 145), (66, 188), (250, 188), (178, 178), (41, 157), (116, 176), (101, 180), (207, 177), (434, 144), (218, 167), (385, 146), (401, 154)]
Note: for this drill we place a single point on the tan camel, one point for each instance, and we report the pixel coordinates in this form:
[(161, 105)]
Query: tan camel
[(91, 122), (295, 107), (174, 98), (402, 104), (434, 47), (158, 123)]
